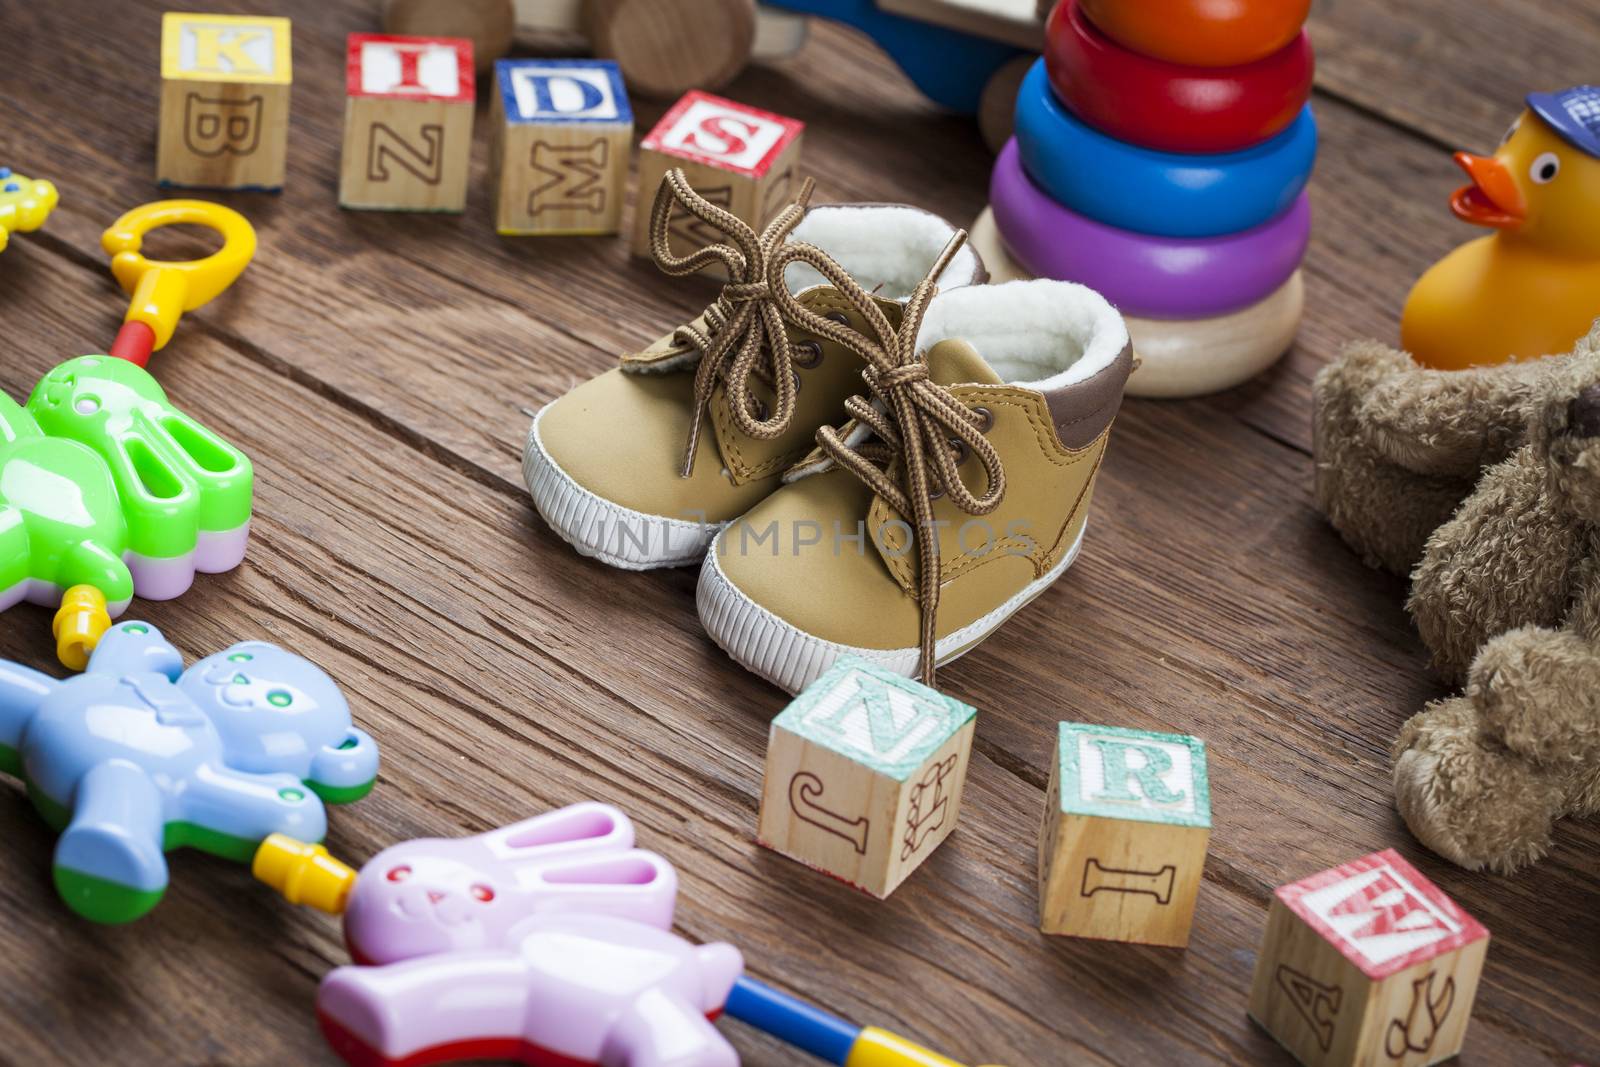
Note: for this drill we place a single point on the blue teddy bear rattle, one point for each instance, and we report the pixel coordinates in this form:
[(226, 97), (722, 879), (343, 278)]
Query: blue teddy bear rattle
[(137, 756)]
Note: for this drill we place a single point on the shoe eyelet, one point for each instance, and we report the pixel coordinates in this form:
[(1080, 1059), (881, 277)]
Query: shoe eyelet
[(962, 451), (761, 410), (936, 494), (807, 354), (988, 419), (838, 316)]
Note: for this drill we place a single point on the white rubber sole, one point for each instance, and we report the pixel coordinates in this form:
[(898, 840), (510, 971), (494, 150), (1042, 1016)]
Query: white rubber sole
[(792, 659), (602, 530)]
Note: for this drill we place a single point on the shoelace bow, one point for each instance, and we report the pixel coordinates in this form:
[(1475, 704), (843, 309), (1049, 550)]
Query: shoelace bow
[(745, 338), (923, 433)]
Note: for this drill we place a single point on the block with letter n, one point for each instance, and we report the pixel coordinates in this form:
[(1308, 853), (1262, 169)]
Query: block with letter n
[(225, 84), (740, 158), (563, 139), (407, 123), (1126, 826), (864, 775), (1368, 963)]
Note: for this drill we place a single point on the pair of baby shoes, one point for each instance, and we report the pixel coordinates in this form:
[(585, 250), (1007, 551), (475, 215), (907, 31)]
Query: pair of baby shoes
[(869, 451)]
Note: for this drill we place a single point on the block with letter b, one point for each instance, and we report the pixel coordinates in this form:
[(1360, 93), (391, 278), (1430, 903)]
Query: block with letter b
[(740, 158), (407, 123), (225, 84), (1368, 963), (1126, 826), (563, 138), (864, 775)]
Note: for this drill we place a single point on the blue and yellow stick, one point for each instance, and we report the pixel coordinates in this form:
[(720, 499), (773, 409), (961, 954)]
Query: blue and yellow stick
[(827, 1037)]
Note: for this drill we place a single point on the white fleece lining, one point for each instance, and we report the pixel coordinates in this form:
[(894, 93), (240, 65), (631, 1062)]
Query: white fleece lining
[(886, 248), (1039, 334)]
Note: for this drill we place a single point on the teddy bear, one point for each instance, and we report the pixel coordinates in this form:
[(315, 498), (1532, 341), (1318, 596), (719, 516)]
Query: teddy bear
[(1484, 486), (546, 941), (137, 756)]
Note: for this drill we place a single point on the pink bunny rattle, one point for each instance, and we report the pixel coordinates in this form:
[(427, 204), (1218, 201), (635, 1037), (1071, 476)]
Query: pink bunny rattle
[(549, 942)]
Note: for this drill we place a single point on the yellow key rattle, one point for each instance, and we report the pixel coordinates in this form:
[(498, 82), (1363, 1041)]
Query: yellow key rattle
[(160, 496)]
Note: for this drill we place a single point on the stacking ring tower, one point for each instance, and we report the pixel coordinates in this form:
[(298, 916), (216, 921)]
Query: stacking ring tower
[(1161, 154)]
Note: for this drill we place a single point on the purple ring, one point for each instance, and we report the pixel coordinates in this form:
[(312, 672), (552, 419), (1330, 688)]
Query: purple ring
[(1150, 277)]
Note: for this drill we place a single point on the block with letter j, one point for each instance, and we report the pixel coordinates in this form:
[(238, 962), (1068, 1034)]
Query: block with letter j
[(864, 775)]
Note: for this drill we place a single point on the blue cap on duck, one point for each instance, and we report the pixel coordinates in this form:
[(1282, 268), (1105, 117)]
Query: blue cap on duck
[(1574, 114)]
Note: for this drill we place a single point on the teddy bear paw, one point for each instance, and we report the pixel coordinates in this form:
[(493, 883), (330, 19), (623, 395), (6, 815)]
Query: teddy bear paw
[(1468, 798)]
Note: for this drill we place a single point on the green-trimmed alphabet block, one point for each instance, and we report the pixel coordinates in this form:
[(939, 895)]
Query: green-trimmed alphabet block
[(864, 775), (1126, 826)]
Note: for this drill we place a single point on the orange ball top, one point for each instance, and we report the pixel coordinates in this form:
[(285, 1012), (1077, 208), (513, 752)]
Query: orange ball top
[(1200, 33)]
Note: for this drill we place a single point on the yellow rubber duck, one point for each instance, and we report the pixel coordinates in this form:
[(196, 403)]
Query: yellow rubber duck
[(1532, 288), (24, 204)]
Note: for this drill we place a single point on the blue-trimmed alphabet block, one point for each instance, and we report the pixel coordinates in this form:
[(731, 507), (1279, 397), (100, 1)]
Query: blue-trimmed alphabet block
[(564, 134)]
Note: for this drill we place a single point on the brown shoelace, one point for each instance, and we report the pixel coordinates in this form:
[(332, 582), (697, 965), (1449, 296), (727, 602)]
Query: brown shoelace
[(922, 431), (745, 338)]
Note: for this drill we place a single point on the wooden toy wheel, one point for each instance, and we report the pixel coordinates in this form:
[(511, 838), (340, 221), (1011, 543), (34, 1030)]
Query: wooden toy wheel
[(488, 24), (665, 47)]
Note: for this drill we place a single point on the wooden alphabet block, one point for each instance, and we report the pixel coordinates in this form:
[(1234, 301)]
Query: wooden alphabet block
[(564, 133), (1367, 964), (739, 158), (1126, 826), (407, 123), (864, 775), (225, 84)]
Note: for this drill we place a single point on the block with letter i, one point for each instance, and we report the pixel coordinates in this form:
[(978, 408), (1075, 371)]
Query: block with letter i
[(407, 123), (864, 775), (1126, 826), (563, 138), (1367, 964), (740, 158), (225, 84)]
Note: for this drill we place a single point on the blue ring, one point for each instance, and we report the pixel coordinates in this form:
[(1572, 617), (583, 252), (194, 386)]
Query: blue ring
[(1161, 193)]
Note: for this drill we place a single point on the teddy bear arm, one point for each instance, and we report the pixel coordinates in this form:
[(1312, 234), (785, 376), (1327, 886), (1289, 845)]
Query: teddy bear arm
[(1504, 560)]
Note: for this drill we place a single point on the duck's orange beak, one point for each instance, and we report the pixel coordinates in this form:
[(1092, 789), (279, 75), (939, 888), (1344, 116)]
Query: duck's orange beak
[(1493, 198)]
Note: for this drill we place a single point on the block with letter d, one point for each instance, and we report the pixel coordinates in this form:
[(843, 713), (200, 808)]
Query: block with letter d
[(740, 158), (1368, 963), (225, 84), (407, 123), (1126, 826), (563, 138), (864, 775)]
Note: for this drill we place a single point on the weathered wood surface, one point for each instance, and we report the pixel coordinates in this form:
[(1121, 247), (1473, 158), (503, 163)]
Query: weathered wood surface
[(380, 370)]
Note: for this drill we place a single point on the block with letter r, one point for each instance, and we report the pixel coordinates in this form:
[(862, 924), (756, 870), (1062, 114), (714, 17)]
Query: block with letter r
[(563, 136), (864, 776), (1126, 827)]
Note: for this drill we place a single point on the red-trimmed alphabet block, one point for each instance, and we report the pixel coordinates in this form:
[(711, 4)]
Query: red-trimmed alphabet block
[(1368, 964), (407, 123)]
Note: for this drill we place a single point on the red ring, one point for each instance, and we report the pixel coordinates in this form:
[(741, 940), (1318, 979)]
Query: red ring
[(1200, 33), (1166, 106)]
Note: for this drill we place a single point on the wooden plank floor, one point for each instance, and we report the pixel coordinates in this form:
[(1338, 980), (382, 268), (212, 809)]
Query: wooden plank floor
[(380, 369)]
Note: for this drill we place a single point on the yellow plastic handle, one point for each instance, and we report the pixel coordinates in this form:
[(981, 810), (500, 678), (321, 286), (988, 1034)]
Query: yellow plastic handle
[(163, 290)]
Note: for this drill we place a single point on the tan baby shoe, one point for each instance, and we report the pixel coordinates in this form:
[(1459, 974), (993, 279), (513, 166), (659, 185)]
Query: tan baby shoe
[(642, 466), (956, 493)]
